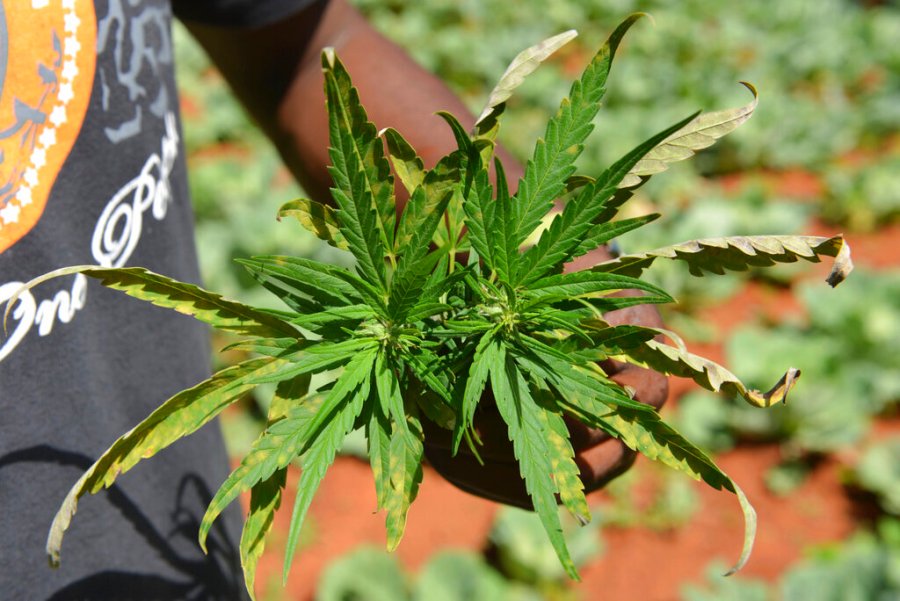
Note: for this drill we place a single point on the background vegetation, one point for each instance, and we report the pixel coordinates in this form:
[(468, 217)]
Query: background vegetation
[(820, 155)]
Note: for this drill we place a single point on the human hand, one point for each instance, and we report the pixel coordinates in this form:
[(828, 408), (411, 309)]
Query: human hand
[(599, 457)]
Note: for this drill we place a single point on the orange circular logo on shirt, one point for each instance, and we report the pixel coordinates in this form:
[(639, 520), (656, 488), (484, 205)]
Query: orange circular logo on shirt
[(47, 61)]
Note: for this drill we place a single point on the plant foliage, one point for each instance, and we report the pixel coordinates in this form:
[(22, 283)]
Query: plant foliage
[(421, 334)]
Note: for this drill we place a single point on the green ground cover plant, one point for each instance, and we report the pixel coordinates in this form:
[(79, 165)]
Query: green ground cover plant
[(370, 574), (520, 565), (878, 472), (446, 303), (865, 567)]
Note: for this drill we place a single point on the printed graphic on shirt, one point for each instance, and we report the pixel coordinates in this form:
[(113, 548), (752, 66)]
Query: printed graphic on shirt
[(131, 68), (134, 49), (47, 63)]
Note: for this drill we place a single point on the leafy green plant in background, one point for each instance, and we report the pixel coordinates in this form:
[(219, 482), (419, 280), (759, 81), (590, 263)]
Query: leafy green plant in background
[(864, 197), (878, 471), (673, 504), (368, 574), (524, 554), (523, 566), (864, 568), (420, 335)]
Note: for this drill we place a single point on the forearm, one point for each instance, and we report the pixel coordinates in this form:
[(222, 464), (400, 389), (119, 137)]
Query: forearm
[(285, 95)]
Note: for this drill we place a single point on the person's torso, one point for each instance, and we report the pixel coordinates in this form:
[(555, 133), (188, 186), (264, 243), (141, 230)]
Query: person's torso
[(92, 171)]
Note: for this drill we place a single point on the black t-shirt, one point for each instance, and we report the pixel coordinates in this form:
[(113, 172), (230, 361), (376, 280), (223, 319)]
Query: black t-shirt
[(92, 171)]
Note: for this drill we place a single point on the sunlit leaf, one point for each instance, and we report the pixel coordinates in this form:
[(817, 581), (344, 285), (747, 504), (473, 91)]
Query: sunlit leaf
[(525, 422), (378, 444), (737, 253), (566, 234), (700, 133), (479, 208), (162, 291), (265, 499), (272, 451), (181, 415), (566, 473), (648, 434), (327, 429), (554, 156), (309, 358), (415, 263), (302, 282), (676, 361), (502, 237), (364, 188), (487, 352), (406, 162), (439, 182), (521, 67), (319, 219), (573, 383), (406, 453), (584, 283)]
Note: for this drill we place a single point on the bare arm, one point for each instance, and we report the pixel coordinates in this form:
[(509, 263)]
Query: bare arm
[(276, 72)]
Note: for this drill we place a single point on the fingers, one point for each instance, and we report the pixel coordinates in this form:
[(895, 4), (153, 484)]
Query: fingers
[(581, 436), (490, 429), (650, 387), (502, 482), (603, 463)]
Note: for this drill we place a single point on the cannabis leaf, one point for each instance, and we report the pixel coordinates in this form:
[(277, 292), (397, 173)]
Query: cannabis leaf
[(554, 156), (319, 219), (701, 132), (162, 291), (737, 253), (179, 416), (523, 65), (524, 418)]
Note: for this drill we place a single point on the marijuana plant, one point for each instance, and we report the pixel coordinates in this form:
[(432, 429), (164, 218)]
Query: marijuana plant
[(420, 333)]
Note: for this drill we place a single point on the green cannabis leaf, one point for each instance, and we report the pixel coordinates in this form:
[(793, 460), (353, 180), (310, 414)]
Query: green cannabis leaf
[(415, 332)]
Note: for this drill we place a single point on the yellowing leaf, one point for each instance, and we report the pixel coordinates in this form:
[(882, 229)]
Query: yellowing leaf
[(521, 67), (737, 253), (265, 499), (408, 166), (528, 435), (649, 435), (712, 376), (701, 132), (406, 452), (181, 415), (185, 298), (566, 473), (319, 219)]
